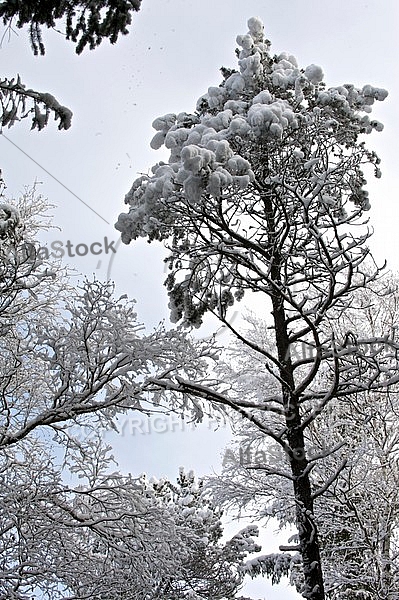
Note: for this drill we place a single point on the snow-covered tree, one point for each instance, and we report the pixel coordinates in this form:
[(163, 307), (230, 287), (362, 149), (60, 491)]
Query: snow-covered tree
[(359, 513), (200, 566), (211, 569), (264, 197), (73, 355), (104, 535), (17, 102), (69, 526)]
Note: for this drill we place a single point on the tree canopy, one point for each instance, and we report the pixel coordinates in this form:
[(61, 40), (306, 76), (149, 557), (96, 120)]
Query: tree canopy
[(80, 529)]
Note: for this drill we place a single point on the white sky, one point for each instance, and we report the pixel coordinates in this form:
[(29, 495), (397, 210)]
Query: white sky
[(172, 55)]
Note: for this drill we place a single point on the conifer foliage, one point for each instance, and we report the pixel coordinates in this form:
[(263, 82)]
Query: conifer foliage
[(86, 23)]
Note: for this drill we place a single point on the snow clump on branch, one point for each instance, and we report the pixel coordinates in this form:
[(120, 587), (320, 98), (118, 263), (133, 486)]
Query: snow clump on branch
[(267, 102), (9, 219)]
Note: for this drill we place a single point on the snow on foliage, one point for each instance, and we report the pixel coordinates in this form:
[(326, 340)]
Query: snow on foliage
[(268, 100), (274, 566), (116, 536), (9, 219), (14, 98)]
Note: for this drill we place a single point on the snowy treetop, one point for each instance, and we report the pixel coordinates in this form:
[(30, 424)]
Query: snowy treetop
[(269, 100)]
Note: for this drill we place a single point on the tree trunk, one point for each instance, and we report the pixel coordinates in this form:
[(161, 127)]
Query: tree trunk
[(385, 545), (307, 531), (314, 586)]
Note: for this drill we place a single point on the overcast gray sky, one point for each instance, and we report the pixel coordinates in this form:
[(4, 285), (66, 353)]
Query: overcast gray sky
[(171, 56)]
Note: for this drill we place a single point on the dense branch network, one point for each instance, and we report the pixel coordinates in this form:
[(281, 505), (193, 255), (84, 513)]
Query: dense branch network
[(70, 354), (264, 198), (71, 361)]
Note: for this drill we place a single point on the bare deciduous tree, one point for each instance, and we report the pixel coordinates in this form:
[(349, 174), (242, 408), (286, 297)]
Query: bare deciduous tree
[(69, 526), (67, 353)]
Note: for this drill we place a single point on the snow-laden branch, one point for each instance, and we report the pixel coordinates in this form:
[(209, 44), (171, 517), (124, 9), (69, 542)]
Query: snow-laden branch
[(14, 99)]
